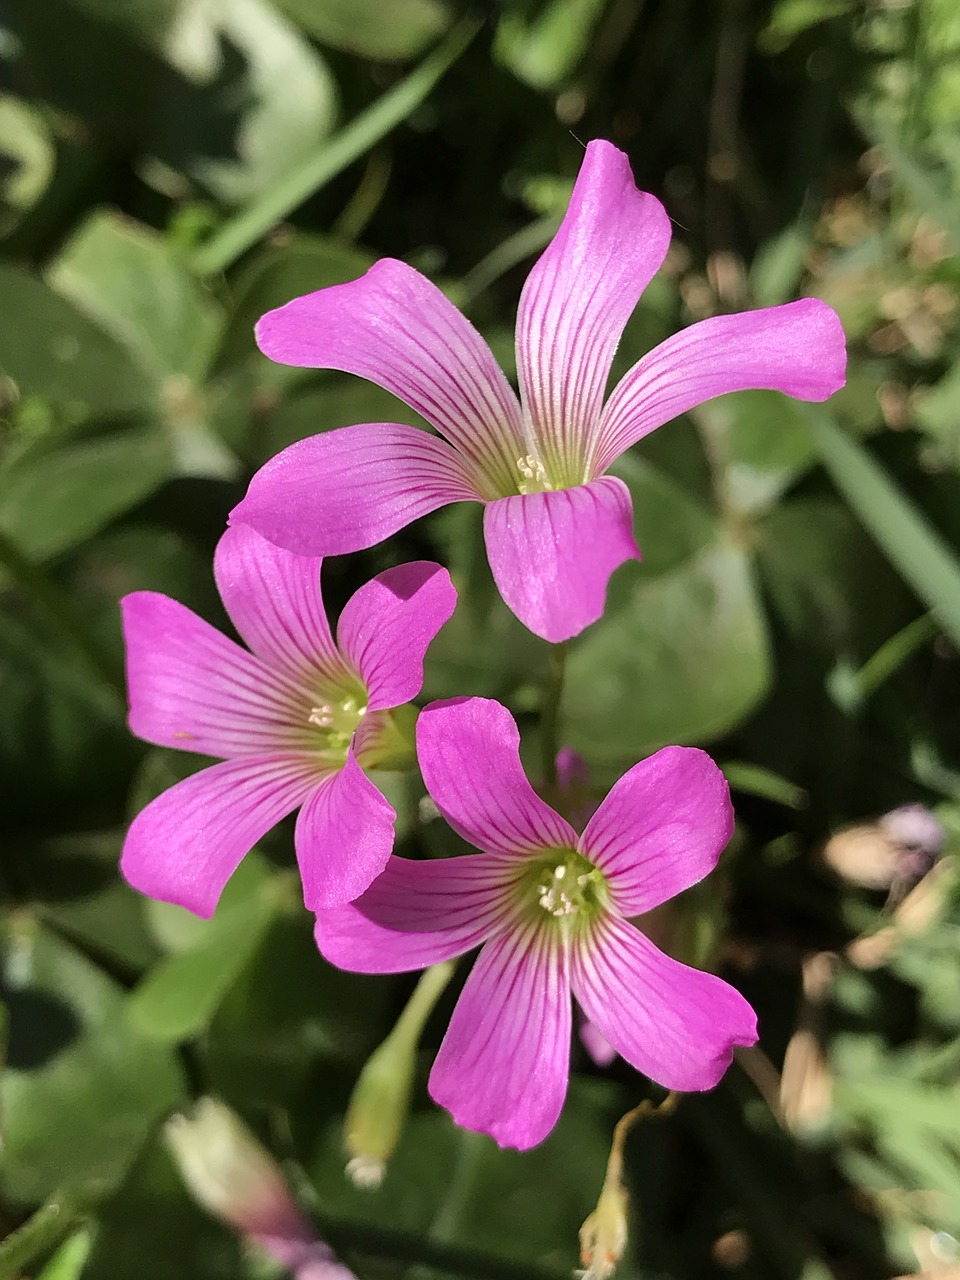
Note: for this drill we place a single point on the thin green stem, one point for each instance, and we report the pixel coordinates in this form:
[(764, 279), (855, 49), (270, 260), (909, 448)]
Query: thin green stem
[(363, 204), (550, 713), (426, 993), (522, 244), (243, 230), (893, 653), (39, 1234), (403, 1246)]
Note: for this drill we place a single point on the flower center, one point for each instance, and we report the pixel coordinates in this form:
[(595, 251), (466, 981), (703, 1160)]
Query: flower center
[(533, 475), (564, 887), (333, 719), (339, 719)]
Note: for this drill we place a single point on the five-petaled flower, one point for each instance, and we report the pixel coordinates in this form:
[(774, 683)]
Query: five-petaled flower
[(295, 721), (556, 525), (551, 910)]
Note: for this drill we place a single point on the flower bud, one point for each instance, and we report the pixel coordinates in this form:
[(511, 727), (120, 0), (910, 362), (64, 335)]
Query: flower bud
[(603, 1236), (230, 1173), (237, 1180), (380, 1101)]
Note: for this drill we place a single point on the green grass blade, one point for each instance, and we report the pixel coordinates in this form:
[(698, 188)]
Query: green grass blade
[(908, 540), (243, 230)]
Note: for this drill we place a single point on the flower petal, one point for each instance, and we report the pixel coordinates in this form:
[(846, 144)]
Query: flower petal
[(503, 1065), (351, 488), (387, 626), (675, 1024), (395, 328), (185, 845), (661, 829), (798, 349), (415, 914), (273, 598), (469, 753), (601, 1051), (552, 554), (576, 301), (344, 837), (191, 688)]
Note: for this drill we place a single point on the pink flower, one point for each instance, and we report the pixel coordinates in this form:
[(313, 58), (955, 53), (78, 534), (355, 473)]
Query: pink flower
[(556, 525), (295, 721), (550, 909)]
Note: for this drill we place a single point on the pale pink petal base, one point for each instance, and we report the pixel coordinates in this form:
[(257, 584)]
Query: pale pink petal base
[(415, 914), (387, 626), (469, 753), (185, 845), (343, 838), (675, 1024), (503, 1065), (552, 554), (661, 828), (351, 488)]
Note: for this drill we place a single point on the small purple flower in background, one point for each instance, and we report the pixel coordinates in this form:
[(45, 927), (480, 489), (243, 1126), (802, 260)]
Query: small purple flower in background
[(550, 909), (295, 721), (556, 526)]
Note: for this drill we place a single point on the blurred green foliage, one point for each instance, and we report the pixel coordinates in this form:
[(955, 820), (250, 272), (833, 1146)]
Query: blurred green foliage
[(169, 169)]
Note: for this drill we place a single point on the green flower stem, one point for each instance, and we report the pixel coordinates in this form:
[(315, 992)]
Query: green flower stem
[(39, 1234), (367, 1240), (893, 653), (243, 230), (378, 1107), (63, 618), (521, 245), (550, 713)]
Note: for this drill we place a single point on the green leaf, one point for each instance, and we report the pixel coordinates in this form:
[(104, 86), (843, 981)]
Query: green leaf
[(133, 282), (71, 1258), (336, 402), (26, 159), (678, 657), (288, 1010), (791, 17), (274, 276), (902, 532), (544, 50), (356, 138), (53, 352), (151, 1229), (384, 30), (179, 996), (669, 524), (828, 583), (760, 444), (447, 1185), (286, 99), (51, 500), (83, 1087)]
